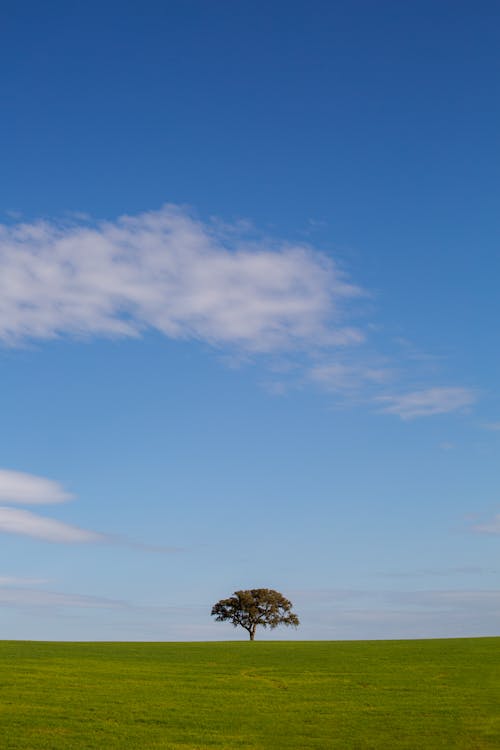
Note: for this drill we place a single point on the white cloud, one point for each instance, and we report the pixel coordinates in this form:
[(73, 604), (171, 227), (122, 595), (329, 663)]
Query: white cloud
[(15, 521), (28, 489), (425, 403), (208, 281), (166, 271), (492, 527)]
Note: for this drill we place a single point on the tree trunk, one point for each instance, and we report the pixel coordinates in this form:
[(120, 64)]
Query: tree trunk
[(251, 633)]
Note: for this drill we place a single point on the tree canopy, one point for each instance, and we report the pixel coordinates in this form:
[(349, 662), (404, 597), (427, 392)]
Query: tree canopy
[(254, 607)]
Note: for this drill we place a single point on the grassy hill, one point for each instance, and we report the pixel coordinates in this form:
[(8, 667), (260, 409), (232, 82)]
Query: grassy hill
[(250, 696)]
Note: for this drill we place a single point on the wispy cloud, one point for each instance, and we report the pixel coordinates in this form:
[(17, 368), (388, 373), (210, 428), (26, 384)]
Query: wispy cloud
[(21, 597), (19, 581), (165, 270), (449, 599), (398, 614), (493, 426), (437, 572), (16, 521), (447, 445), (441, 598), (28, 489), (427, 402), (491, 527), (340, 377)]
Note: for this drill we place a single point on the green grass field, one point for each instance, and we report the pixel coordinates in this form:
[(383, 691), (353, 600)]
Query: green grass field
[(418, 695)]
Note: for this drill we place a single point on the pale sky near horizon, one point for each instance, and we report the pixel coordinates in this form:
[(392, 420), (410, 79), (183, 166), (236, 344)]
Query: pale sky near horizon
[(248, 317)]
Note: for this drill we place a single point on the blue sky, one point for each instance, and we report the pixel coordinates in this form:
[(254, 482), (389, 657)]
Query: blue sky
[(248, 317)]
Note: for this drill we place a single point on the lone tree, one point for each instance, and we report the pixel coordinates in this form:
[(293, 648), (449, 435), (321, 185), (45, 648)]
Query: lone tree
[(255, 607)]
